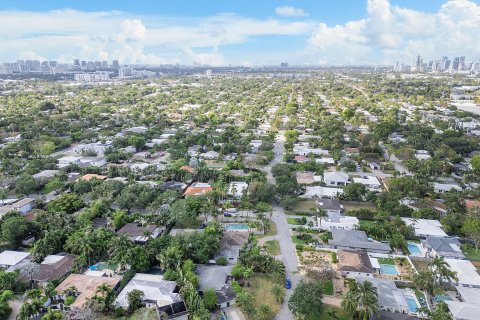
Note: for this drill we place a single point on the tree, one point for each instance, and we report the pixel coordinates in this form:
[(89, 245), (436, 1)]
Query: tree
[(53, 315), (441, 312), (319, 214), (16, 228), (134, 298), (25, 185), (471, 228), (475, 162), (306, 300), (441, 271), (5, 309), (361, 298), (246, 300), (354, 192), (210, 299), (277, 292)]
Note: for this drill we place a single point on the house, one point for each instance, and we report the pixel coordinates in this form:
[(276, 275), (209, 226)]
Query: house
[(445, 187), (23, 206), (472, 205), (92, 162), (45, 175), (325, 160), (425, 203), (173, 185), (68, 160), (370, 182), (176, 310), (335, 179), (397, 138), (211, 155), (425, 227), (157, 292), (90, 176), (139, 166), (304, 149), (443, 247), (337, 221), (321, 192), (306, 177), (330, 205), (139, 129), (422, 155), (356, 240), (140, 233), (13, 260), (237, 188), (353, 263), (53, 267), (466, 273), (198, 189), (391, 298), (301, 159), (85, 288), (225, 296), (468, 308)]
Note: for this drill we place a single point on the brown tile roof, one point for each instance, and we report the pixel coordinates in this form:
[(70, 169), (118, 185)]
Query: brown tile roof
[(54, 271), (86, 286), (354, 261), (90, 176), (195, 191), (471, 204)]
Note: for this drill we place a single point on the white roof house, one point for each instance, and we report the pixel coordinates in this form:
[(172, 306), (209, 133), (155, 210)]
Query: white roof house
[(469, 308), (445, 187), (466, 272), (321, 192), (337, 221), (304, 149), (237, 188), (157, 291), (326, 160), (335, 179), (425, 227), (67, 160), (11, 259), (369, 182), (422, 155)]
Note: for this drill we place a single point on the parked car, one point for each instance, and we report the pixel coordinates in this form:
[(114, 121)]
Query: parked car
[(288, 283), (226, 214)]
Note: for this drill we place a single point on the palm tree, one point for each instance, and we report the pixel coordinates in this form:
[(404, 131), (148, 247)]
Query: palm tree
[(277, 293), (442, 271), (264, 312), (332, 314), (367, 299), (349, 302), (319, 214), (245, 300), (53, 315)]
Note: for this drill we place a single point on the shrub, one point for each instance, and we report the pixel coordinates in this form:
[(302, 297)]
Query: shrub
[(69, 300), (222, 261), (299, 247), (334, 257)]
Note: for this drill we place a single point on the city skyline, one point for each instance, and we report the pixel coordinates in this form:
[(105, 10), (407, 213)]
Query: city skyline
[(267, 33)]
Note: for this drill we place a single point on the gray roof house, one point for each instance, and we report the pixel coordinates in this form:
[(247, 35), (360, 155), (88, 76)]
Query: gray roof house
[(331, 205), (355, 239), (444, 247)]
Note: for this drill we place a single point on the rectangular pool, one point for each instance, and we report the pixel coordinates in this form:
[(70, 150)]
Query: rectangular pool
[(237, 226), (389, 269), (412, 304), (414, 249)]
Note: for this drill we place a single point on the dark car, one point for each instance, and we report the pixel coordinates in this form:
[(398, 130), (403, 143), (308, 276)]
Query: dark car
[(288, 283)]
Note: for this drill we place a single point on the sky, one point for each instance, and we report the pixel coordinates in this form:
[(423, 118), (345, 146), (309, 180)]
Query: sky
[(240, 32)]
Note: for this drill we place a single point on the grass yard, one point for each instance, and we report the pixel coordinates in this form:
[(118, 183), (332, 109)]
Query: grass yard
[(340, 313), (260, 288), (471, 254), (298, 241), (389, 261), (272, 247), (350, 205), (293, 221), (273, 229), (302, 206), (328, 288)]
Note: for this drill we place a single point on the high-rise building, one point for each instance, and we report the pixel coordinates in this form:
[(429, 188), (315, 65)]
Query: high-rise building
[(98, 65), (76, 62), (104, 64), (125, 72), (115, 64)]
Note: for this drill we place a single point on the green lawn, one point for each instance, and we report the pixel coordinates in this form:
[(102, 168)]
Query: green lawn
[(349, 206), (366, 223), (272, 247), (341, 314), (328, 288), (471, 254), (298, 241), (293, 221), (302, 206), (389, 261)]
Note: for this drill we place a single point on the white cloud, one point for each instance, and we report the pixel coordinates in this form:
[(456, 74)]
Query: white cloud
[(288, 11), (391, 32), (66, 34)]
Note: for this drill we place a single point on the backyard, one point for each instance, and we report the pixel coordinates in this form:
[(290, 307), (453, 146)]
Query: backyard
[(272, 247), (353, 205), (302, 206), (261, 290)]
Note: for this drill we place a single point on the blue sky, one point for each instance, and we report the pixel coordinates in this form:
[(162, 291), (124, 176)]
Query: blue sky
[(236, 32)]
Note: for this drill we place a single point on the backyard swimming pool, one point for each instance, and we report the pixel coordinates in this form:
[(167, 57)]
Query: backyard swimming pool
[(414, 249), (388, 269), (237, 226), (412, 304)]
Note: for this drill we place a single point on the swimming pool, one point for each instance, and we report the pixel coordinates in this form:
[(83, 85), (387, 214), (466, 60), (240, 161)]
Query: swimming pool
[(389, 269), (412, 304), (237, 226), (414, 249)]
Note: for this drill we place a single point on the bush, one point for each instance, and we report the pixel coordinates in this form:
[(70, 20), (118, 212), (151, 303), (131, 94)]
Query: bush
[(69, 300), (334, 257), (222, 261), (299, 247)]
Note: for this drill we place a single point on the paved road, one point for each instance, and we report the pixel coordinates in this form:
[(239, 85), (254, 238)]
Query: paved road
[(396, 162), (287, 248)]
